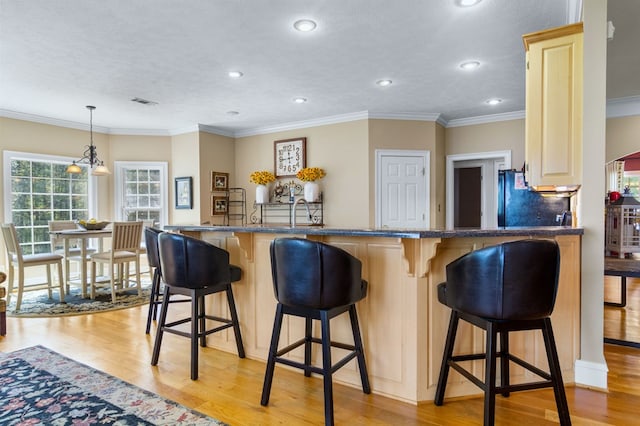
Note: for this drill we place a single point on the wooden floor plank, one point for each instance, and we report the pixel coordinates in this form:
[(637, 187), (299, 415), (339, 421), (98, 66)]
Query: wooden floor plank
[(229, 388)]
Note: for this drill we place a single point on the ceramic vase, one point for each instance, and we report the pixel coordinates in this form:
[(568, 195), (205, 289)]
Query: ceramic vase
[(311, 192), (262, 194)]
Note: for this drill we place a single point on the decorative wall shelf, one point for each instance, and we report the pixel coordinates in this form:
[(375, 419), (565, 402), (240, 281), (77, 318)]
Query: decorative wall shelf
[(282, 213)]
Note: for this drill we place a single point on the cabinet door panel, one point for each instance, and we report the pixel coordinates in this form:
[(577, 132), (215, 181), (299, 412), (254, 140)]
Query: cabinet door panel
[(554, 110)]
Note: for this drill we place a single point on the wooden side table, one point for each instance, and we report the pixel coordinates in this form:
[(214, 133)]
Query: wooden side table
[(622, 268)]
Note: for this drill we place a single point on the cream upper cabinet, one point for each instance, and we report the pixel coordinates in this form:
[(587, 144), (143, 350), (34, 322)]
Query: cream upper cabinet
[(553, 128)]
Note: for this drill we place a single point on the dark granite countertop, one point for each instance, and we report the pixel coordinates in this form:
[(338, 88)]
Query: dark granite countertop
[(384, 232)]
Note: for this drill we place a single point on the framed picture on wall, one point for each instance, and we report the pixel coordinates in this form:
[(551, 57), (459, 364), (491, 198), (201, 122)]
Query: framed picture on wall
[(219, 181), (219, 205), (184, 192)]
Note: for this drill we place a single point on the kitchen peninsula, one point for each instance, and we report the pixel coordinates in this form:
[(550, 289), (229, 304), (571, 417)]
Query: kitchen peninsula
[(403, 324)]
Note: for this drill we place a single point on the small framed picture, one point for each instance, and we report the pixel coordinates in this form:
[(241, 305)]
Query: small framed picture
[(219, 205), (184, 192), (219, 181)]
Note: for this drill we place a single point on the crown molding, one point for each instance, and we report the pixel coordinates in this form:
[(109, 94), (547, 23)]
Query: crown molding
[(334, 119), (483, 119), (623, 107), (215, 131), (139, 132), (620, 107), (51, 121), (80, 126), (436, 116)]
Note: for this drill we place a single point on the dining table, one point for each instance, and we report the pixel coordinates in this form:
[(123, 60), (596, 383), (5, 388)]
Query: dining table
[(83, 236)]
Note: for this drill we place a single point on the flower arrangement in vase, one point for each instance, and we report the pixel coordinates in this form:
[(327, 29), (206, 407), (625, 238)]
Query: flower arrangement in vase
[(311, 189), (262, 178), (310, 174)]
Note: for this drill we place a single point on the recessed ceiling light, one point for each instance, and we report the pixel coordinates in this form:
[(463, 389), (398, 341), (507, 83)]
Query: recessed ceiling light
[(383, 83), (468, 3), (232, 113), (470, 65), (299, 100), (304, 25), (494, 101), (235, 74)]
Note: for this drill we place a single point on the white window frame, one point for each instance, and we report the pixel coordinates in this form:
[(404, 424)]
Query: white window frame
[(118, 201), (17, 155)]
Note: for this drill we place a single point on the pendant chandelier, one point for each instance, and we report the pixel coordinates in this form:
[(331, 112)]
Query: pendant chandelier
[(90, 156)]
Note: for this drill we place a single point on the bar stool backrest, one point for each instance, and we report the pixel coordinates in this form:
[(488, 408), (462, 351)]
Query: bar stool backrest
[(192, 263), (516, 280), (315, 275), (151, 244)]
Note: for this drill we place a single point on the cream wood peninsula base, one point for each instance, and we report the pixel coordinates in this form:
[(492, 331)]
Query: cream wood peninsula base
[(403, 325)]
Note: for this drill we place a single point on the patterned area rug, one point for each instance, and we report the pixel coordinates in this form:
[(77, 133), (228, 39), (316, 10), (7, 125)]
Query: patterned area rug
[(38, 304), (41, 387)]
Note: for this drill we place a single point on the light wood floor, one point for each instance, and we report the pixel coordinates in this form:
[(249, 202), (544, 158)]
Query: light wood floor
[(622, 323), (229, 388)]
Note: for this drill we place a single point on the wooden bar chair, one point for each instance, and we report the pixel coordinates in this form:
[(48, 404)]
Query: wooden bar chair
[(16, 260), (125, 245)]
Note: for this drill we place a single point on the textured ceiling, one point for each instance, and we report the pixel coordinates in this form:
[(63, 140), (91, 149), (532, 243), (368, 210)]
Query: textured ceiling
[(57, 57)]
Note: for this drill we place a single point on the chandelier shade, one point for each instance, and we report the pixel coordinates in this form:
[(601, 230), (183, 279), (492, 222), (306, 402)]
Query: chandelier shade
[(90, 155)]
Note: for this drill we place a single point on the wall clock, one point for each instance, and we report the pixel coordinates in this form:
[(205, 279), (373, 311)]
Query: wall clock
[(289, 156)]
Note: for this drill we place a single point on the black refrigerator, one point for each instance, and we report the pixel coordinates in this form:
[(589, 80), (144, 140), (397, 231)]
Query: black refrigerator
[(520, 206)]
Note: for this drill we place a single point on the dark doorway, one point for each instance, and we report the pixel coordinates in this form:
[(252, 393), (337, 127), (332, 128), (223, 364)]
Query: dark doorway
[(467, 182)]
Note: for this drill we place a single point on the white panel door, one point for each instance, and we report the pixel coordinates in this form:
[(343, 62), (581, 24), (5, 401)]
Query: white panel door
[(402, 189)]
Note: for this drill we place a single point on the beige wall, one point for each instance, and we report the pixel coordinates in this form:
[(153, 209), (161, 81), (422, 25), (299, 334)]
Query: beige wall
[(623, 137), (185, 161), (340, 149), (498, 136), (217, 153)]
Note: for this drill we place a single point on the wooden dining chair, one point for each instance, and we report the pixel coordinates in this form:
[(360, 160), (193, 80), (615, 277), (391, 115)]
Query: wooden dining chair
[(73, 254), (125, 245), (17, 260)]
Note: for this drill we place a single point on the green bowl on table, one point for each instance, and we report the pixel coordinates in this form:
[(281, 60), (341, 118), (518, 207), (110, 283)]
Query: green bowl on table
[(93, 226)]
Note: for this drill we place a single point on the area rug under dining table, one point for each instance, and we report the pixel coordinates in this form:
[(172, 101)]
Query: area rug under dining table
[(38, 304), (41, 387)]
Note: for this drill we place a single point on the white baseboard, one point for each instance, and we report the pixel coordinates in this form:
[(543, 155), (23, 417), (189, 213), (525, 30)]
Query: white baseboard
[(591, 374)]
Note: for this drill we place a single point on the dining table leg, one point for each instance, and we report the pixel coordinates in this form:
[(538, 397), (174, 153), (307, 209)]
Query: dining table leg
[(83, 267)]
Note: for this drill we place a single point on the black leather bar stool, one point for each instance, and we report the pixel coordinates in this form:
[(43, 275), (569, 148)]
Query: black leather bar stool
[(508, 287), (153, 259), (194, 268), (317, 281)]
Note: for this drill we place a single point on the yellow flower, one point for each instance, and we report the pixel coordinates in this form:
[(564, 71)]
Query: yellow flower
[(262, 177), (309, 174)]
